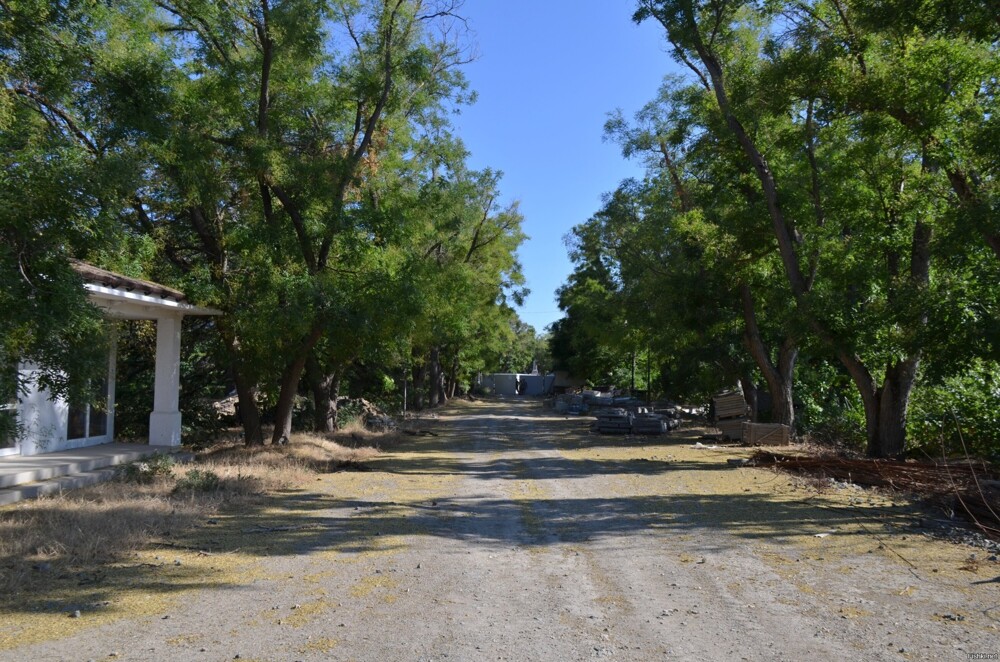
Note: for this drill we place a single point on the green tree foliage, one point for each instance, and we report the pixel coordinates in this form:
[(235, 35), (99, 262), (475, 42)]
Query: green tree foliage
[(466, 272), (293, 120), (526, 350), (852, 141), (636, 257), (287, 162), (64, 68), (960, 414), (819, 184)]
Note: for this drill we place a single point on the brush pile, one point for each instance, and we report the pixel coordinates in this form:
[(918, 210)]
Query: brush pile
[(971, 488)]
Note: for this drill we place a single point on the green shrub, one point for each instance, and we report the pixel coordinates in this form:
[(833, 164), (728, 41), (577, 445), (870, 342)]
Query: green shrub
[(349, 412), (147, 470), (963, 408), (828, 407), (198, 480)]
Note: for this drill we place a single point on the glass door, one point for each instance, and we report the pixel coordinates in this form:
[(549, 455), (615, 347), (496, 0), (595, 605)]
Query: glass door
[(89, 419)]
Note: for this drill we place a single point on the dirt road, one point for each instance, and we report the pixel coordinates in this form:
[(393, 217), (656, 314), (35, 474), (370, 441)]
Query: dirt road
[(516, 535)]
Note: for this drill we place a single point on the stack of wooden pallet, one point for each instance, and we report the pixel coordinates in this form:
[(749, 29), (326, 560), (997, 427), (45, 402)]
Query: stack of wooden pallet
[(730, 414), (646, 423), (613, 421)]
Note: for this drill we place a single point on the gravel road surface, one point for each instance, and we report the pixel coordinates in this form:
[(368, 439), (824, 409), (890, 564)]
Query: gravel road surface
[(515, 534)]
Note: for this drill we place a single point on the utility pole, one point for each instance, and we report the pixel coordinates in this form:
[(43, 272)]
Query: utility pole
[(649, 387), (632, 391)]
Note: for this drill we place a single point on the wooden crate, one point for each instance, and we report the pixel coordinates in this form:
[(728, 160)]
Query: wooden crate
[(766, 434), (731, 429), (729, 405)]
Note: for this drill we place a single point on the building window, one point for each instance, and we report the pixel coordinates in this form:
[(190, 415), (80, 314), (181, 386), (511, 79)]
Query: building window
[(76, 428), (89, 419), (98, 424)]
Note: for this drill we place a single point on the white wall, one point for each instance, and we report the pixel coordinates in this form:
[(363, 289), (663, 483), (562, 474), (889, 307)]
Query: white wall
[(44, 420)]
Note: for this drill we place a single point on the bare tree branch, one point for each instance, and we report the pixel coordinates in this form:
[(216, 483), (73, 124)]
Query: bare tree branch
[(45, 107)]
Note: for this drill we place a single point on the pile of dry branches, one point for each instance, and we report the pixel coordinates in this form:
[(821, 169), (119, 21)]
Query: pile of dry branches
[(972, 488)]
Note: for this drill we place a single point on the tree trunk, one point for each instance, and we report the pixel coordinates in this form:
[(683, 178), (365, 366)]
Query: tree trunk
[(778, 379), (453, 377), (631, 388), (290, 377), (783, 409), (320, 394), (886, 408), (246, 390), (434, 386), (419, 373), (324, 409), (334, 396), (750, 395), (246, 408), (649, 378), (442, 389), (324, 403), (286, 402), (894, 400)]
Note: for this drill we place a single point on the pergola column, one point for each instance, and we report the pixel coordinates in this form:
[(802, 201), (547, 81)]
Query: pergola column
[(165, 421)]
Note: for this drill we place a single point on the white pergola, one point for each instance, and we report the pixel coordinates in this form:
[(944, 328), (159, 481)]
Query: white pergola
[(127, 298)]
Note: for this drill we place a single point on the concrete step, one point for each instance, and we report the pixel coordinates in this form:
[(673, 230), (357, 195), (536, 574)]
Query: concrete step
[(9, 495), (19, 470), (45, 475)]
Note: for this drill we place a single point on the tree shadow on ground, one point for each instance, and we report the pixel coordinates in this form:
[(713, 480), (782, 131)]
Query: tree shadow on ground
[(304, 521), (504, 439), (542, 468), (360, 526)]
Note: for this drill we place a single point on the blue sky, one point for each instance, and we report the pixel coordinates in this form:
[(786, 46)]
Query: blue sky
[(547, 74)]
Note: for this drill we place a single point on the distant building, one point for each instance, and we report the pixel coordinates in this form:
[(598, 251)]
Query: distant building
[(508, 383)]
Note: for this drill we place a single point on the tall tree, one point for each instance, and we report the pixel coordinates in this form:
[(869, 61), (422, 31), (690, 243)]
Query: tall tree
[(712, 201), (721, 44), (292, 118), (467, 272)]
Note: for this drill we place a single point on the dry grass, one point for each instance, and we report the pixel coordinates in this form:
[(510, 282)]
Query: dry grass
[(43, 538), (971, 487)]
